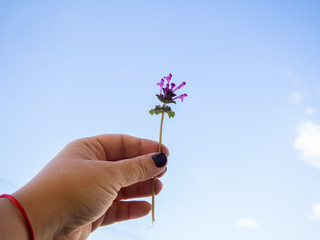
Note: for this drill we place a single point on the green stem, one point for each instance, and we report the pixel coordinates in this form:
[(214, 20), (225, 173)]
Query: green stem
[(155, 178), (161, 124)]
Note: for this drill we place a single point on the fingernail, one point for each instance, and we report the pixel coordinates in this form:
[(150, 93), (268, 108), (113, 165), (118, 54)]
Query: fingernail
[(160, 159)]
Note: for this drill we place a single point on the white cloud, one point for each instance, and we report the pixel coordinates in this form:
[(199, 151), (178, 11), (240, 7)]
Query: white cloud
[(315, 211), (308, 143), (295, 97), (247, 223), (310, 111)]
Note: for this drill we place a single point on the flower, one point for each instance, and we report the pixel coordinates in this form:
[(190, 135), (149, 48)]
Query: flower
[(182, 96), (161, 83), (167, 95), (169, 77), (180, 86)]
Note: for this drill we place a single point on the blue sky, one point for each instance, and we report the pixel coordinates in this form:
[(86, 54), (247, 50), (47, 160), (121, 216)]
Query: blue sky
[(244, 155)]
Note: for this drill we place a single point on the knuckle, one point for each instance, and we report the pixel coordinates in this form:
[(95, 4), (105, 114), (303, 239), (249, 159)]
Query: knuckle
[(142, 169)]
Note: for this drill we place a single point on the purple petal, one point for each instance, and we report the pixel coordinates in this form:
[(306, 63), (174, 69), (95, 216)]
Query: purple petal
[(182, 96), (161, 83), (166, 90), (180, 86), (168, 78)]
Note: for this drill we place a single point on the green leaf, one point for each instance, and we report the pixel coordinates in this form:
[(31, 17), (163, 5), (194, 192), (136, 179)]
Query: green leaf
[(171, 114), (162, 109)]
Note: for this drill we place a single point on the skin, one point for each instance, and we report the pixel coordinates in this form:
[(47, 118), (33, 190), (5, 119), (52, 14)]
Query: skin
[(82, 188)]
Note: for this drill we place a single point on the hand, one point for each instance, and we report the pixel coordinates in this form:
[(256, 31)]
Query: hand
[(82, 187)]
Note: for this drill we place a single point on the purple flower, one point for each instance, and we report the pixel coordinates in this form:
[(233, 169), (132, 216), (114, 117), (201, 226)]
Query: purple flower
[(180, 86), (168, 84), (182, 96), (166, 90), (168, 78), (167, 94), (161, 83)]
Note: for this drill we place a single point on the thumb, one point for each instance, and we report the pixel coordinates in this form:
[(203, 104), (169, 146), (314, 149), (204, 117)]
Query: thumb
[(141, 168)]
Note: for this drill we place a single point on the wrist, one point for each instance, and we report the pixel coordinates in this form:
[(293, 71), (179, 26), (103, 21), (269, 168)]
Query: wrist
[(41, 210), (12, 223)]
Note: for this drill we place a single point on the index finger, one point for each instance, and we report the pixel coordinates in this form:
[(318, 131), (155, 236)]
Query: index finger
[(119, 146)]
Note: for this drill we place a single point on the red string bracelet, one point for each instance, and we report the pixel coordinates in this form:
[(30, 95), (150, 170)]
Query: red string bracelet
[(22, 211)]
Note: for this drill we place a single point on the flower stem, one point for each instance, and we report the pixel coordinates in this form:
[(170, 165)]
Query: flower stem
[(155, 178), (161, 124)]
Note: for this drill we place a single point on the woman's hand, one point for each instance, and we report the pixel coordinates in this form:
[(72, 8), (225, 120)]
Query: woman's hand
[(82, 188)]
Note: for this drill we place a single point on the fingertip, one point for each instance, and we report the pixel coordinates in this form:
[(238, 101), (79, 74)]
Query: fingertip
[(160, 159), (162, 173), (165, 150), (147, 206), (158, 187)]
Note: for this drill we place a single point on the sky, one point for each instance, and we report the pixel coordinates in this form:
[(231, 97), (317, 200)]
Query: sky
[(245, 144)]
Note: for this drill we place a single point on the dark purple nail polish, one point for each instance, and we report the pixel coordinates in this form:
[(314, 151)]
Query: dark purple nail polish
[(160, 159)]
